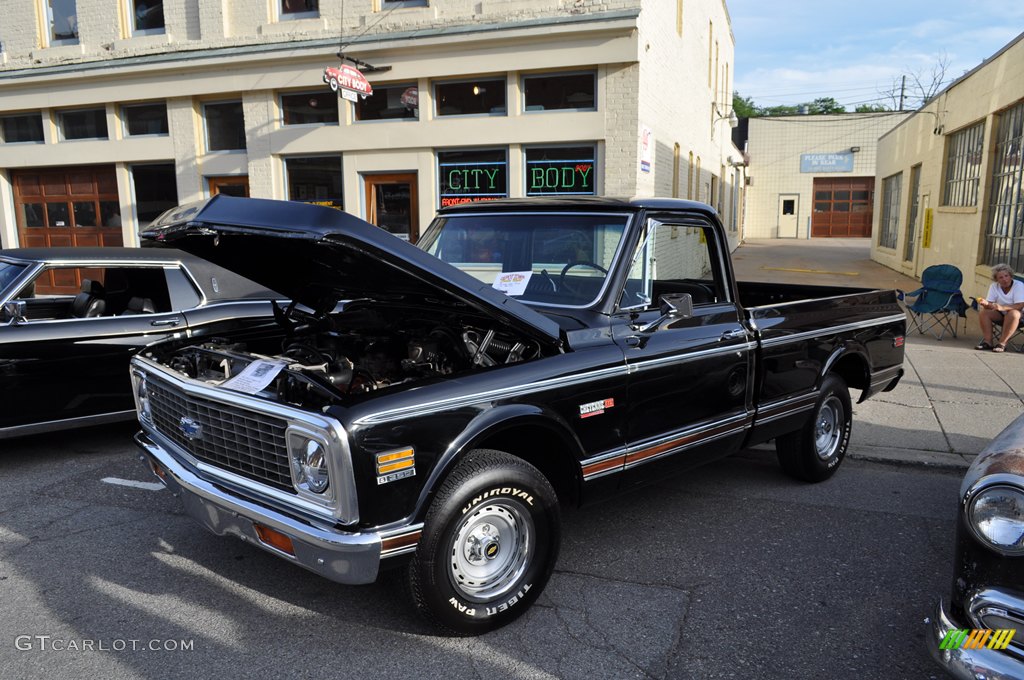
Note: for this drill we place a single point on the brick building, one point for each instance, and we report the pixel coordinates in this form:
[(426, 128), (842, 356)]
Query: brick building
[(113, 110)]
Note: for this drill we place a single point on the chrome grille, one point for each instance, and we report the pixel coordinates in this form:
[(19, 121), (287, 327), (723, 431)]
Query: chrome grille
[(248, 443)]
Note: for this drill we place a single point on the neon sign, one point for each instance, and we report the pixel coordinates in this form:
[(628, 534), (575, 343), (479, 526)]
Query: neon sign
[(462, 180), (573, 176)]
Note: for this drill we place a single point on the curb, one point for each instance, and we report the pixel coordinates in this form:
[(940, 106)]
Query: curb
[(905, 457)]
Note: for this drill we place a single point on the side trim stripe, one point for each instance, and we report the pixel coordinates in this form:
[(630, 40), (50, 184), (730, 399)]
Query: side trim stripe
[(796, 337)]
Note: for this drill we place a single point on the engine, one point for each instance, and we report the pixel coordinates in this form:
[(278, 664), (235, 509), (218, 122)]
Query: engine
[(322, 366)]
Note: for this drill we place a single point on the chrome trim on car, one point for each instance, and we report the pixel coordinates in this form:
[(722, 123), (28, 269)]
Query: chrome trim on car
[(679, 441), (52, 425), (603, 464), (341, 556), (400, 541), (776, 410), (639, 366), (491, 395), (1009, 605), (832, 330), (345, 506), (967, 663)]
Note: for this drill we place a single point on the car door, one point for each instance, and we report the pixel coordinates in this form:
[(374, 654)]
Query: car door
[(689, 392), (64, 368)]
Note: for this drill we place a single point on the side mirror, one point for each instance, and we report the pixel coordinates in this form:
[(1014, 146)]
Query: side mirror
[(13, 312), (676, 305), (673, 306)]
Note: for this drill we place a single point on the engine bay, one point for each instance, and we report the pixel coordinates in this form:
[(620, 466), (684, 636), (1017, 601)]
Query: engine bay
[(325, 360)]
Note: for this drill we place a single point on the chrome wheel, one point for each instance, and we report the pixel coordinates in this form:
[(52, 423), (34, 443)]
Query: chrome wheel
[(828, 428), (491, 550)]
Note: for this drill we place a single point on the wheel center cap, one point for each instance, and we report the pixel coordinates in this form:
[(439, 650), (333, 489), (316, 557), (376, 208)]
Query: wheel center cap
[(491, 547)]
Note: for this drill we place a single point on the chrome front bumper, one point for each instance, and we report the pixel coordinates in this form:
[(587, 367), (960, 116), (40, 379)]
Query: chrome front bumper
[(344, 557), (970, 664)]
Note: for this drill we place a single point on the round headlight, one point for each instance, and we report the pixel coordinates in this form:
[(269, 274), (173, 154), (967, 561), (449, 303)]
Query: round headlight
[(314, 466), (997, 516), (142, 392)]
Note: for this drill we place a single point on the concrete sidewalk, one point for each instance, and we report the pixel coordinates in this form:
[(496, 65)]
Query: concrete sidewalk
[(952, 400)]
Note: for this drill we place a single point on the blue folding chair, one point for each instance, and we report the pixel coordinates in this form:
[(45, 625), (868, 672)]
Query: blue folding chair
[(938, 302)]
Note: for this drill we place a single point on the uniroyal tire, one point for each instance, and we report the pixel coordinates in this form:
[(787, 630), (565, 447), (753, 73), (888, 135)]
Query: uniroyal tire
[(814, 452), (489, 544)]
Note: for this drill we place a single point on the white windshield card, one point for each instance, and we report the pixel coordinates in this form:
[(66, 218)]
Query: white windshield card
[(255, 377), (512, 283)]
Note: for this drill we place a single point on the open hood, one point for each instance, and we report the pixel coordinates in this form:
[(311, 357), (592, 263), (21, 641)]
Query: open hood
[(318, 256)]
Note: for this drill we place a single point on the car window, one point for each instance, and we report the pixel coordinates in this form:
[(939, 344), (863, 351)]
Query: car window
[(183, 294), (673, 258), (88, 292), (554, 259), (8, 272)]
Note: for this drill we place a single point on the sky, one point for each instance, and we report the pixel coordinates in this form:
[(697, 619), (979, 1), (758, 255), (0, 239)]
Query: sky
[(794, 51)]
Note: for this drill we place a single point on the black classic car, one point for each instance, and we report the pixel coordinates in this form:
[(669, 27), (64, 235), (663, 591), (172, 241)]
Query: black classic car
[(980, 633), (70, 319), (438, 403)]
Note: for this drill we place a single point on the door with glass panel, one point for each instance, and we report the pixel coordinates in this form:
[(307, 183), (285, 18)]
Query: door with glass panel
[(391, 204), (910, 245)]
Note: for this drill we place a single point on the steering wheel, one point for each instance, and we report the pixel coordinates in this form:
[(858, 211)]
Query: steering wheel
[(578, 263)]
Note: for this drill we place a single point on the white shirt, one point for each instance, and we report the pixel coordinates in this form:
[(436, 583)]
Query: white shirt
[(1015, 296)]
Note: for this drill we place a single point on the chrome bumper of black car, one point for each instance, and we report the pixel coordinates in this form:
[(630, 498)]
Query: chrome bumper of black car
[(967, 663), (344, 557)]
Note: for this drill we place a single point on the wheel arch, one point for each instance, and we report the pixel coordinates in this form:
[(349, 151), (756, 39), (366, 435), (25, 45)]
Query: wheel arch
[(850, 362), (532, 433)]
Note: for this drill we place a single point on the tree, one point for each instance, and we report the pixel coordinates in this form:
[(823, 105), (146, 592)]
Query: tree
[(871, 108), (825, 105), (912, 90), (743, 106)]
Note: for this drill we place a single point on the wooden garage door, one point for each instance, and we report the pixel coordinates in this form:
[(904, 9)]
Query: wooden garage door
[(842, 206), (67, 207)]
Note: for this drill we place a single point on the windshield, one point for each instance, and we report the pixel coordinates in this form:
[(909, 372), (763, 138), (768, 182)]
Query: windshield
[(555, 259), (9, 272)]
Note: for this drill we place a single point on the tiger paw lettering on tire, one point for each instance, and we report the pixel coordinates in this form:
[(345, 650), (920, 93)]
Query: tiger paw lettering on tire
[(490, 541)]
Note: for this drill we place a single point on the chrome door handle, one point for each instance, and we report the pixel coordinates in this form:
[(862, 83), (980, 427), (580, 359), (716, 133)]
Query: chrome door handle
[(166, 322), (734, 334)]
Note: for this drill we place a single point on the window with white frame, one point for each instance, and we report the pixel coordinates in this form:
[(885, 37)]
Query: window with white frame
[(963, 166), (24, 127), (146, 17), (299, 9), (225, 126), (397, 4), (1004, 233), (554, 91), (148, 118), (83, 124), (469, 97), (890, 221), (309, 108), (314, 179), (61, 21)]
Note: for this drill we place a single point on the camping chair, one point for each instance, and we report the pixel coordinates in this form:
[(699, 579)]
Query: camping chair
[(1016, 341), (938, 302)]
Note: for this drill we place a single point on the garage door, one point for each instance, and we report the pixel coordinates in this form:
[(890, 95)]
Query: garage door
[(67, 207), (842, 206)]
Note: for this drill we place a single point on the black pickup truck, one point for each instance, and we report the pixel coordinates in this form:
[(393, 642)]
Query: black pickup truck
[(430, 407)]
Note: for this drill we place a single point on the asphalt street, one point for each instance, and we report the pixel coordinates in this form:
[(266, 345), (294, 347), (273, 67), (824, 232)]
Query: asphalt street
[(729, 571)]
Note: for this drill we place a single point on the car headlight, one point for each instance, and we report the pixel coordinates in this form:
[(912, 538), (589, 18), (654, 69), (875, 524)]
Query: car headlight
[(996, 515), (309, 463), (142, 397)]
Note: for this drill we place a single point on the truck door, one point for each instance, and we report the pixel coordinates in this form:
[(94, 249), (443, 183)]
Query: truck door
[(689, 394)]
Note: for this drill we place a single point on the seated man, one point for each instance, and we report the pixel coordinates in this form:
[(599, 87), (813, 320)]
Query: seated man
[(1002, 304)]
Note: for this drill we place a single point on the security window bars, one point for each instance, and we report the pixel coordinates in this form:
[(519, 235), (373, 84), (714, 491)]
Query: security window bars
[(26, 127), (1004, 238), (890, 210), (310, 108), (963, 166)]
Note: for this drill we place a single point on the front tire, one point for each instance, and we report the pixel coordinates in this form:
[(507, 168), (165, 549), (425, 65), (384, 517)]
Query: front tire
[(489, 545), (814, 452)]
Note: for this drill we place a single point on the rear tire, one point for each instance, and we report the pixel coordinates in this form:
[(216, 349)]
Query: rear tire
[(489, 545), (814, 452)]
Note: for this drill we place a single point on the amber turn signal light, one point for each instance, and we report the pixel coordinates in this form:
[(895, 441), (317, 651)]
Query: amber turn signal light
[(275, 539)]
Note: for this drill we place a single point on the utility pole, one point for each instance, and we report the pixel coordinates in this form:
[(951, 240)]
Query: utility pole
[(903, 89)]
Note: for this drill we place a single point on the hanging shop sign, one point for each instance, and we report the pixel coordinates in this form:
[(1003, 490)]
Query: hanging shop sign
[(410, 98), (560, 177), (348, 81), (471, 181)]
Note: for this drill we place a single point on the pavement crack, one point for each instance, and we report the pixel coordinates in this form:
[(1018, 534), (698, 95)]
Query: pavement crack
[(931, 402)]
